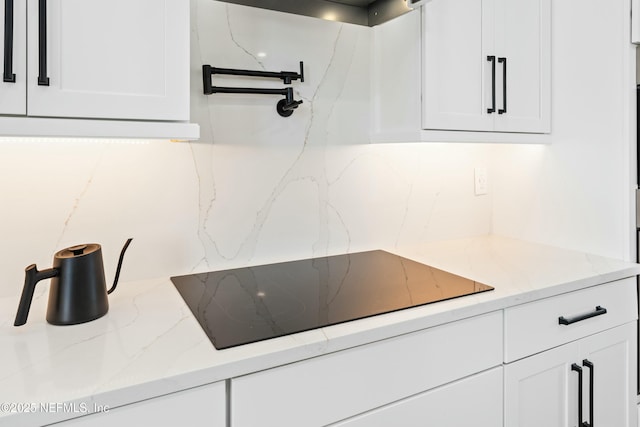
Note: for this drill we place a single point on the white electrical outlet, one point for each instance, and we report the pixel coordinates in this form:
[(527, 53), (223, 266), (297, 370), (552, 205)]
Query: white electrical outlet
[(480, 180)]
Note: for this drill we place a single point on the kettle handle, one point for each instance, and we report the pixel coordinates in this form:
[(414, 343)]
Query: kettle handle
[(32, 276)]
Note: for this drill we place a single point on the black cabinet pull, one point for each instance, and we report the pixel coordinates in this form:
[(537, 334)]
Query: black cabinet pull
[(492, 59), (569, 320), (504, 85), (43, 80), (8, 76), (589, 365), (578, 369)]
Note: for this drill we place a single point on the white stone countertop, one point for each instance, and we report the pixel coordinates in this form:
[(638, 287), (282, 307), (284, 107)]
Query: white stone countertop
[(149, 343)]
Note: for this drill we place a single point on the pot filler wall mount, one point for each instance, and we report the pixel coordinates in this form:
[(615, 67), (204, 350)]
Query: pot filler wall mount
[(284, 107)]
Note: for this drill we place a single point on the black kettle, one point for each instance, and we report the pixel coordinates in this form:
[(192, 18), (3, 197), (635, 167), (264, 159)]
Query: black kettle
[(78, 291)]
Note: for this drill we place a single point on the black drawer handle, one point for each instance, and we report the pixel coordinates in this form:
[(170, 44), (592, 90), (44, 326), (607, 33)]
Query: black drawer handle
[(567, 321)]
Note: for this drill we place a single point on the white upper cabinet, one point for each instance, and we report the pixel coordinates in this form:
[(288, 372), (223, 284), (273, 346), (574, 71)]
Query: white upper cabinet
[(96, 59), (455, 72), (13, 84), (487, 65), (523, 38), (110, 59), (635, 21)]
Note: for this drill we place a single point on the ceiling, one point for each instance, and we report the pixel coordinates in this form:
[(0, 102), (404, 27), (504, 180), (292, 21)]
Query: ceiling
[(361, 12), (358, 3)]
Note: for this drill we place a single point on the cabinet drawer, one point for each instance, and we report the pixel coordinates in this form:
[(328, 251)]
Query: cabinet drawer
[(481, 395), (336, 386), (200, 406), (534, 327)]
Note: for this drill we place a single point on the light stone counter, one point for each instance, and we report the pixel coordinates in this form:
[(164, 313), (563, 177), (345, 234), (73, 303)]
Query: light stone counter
[(149, 344)]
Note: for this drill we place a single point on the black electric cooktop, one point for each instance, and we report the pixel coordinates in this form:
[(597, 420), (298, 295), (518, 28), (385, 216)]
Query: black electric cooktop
[(250, 304)]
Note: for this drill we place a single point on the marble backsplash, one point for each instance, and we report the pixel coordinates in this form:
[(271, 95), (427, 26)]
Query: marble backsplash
[(256, 188)]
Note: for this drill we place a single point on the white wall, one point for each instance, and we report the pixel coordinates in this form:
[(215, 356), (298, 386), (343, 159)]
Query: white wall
[(310, 184), (257, 187), (577, 192)]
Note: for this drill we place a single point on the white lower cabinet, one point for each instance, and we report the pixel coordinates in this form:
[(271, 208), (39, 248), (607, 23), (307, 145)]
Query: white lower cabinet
[(534, 327), (613, 357), (563, 361), (337, 386), (596, 374), (200, 406), (480, 394), (537, 389)]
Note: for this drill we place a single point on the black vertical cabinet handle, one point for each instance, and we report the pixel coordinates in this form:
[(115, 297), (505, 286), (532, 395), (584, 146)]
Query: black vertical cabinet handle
[(504, 85), (578, 369), (8, 76), (589, 365), (43, 80), (492, 59)]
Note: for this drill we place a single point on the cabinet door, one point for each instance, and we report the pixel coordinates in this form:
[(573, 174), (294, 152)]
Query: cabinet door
[(457, 37), (613, 357), (480, 395), (13, 93), (542, 390), (110, 59), (523, 37), (487, 65)]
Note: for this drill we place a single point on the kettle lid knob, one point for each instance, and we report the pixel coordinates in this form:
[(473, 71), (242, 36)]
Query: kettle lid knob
[(77, 250)]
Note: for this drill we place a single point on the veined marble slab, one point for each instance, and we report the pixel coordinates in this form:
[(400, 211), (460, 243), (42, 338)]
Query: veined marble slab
[(149, 344)]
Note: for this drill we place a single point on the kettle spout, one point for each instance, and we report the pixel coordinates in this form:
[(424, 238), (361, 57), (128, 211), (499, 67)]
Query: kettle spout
[(115, 280)]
